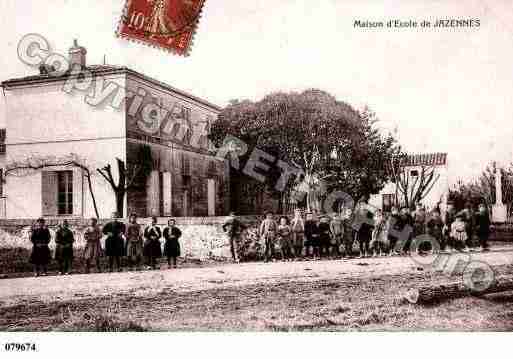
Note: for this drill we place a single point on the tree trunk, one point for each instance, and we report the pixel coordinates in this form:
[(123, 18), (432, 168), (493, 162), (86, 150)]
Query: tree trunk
[(88, 175), (120, 203), (432, 294)]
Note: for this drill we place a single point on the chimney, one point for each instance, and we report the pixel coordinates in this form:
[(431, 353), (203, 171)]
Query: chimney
[(77, 55)]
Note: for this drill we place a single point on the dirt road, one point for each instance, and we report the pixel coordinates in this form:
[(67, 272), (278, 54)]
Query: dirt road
[(148, 283)]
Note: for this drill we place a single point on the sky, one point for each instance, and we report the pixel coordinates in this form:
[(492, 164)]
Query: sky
[(438, 90)]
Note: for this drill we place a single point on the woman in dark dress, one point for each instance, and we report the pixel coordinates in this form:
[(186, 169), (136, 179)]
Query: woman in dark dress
[(152, 250), (114, 243), (40, 238), (64, 250), (172, 245)]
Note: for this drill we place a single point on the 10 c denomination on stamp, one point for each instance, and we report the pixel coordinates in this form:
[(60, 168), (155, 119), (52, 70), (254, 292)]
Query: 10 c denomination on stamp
[(166, 24)]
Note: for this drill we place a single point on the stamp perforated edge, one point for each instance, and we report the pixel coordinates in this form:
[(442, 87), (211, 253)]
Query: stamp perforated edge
[(154, 45)]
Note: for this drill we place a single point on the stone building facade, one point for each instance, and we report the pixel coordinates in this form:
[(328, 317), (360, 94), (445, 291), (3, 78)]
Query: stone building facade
[(99, 116)]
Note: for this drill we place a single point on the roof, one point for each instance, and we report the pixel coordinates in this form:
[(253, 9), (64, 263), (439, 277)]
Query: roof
[(102, 70), (426, 159)]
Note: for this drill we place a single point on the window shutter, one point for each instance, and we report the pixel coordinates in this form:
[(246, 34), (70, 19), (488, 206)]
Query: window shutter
[(49, 193), (78, 192)]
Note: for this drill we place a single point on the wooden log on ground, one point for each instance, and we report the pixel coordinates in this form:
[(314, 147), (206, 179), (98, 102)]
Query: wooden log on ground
[(436, 293)]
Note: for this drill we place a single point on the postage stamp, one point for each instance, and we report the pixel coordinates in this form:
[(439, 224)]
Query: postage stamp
[(166, 24)]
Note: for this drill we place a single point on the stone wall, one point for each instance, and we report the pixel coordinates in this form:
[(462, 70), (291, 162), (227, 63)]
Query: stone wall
[(203, 237)]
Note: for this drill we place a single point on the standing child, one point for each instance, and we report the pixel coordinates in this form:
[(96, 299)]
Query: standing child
[(337, 233), (324, 236), (379, 235), (482, 222), (152, 250), (64, 250), (268, 230), (459, 233), (172, 245), (364, 226), (134, 243), (349, 233), (284, 236), (40, 238), (312, 236), (435, 230), (298, 233), (93, 249)]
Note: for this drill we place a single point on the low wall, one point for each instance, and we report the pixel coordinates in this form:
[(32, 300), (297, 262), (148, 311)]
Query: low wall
[(203, 237)]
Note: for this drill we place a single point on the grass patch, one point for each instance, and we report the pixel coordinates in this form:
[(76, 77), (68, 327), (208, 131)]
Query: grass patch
[(104, 320)]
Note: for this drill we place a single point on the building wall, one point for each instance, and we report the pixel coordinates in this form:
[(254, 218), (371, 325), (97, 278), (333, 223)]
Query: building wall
[(176, 155), (144, 201), (439, 191), (44, 121), (166, 127)]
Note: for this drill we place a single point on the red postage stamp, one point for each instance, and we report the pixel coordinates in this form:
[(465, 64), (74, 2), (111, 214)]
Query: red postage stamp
[(166, 24)]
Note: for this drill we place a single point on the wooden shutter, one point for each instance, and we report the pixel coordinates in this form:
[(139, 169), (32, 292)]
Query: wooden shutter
[(152, 193), (78, 192), (49, 193)]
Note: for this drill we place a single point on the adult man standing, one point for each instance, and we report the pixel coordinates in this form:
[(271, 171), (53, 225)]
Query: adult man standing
[(233, 227), (114, 244)]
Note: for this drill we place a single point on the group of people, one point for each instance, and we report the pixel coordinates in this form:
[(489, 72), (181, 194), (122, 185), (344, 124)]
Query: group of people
[(377, 234), (122, 240), (399, 232)]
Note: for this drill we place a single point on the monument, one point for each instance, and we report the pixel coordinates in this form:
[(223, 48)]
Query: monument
[(499, 212)]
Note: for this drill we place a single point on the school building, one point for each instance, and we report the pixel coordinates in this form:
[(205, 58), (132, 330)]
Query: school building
[(48, 120)]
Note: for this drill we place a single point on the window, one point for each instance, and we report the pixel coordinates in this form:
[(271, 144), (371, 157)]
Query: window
[(64, 192), (414, 173)]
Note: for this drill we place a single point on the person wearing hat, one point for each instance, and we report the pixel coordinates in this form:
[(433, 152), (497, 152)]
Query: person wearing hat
[(152, 249), (234, 228), (40, 238)]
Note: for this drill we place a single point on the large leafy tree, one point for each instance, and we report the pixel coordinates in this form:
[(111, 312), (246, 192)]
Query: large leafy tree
[(337, 147)]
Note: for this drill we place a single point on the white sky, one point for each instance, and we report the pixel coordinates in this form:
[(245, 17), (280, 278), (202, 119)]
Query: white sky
[(445, 90)]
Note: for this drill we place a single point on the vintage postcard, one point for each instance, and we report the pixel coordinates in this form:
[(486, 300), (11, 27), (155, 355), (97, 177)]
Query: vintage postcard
[(325, 166)]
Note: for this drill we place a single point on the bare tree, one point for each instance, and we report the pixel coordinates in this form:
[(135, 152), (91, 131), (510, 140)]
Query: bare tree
[(412, 188), (129, 176), (31, 164)]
